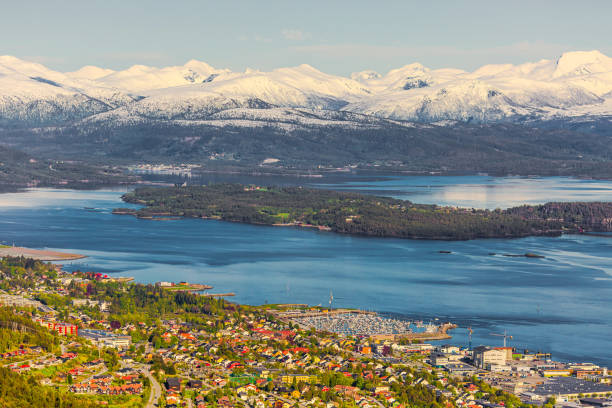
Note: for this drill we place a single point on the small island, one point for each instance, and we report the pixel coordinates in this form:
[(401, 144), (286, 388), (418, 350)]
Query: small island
[(361, 214)]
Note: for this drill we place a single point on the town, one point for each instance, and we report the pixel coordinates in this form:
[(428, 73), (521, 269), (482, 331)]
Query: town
[(94, 340)]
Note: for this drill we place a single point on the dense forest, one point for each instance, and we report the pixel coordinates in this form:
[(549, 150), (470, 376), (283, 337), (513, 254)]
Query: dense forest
[(142, 303), (17, 391), (16, 331), (352, 213), (20, 272)]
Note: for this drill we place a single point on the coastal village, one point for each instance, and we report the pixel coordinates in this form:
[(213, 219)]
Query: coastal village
[(114, 342)]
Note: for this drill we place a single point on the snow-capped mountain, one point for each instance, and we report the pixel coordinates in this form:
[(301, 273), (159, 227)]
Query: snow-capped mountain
[(31, 93), (575, 84), (143, 79)]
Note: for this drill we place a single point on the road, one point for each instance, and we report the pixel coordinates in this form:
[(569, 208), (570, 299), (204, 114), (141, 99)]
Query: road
[(29, 361), (156, 390)]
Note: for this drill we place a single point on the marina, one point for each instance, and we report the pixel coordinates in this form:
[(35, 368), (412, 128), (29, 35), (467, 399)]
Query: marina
[(367, 324), (355, 324)]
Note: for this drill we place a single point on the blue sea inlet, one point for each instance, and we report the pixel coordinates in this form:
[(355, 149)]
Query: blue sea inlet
[(560, 303)]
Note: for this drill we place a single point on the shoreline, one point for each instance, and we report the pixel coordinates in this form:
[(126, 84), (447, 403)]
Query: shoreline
[(299, 174), (39, 254), (324, 228), (363, 214)]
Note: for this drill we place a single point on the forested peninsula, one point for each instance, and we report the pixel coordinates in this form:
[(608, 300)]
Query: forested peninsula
[(361, 214)]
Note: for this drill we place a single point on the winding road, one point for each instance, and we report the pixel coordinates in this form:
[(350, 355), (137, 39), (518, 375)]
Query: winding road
[(156, 390)]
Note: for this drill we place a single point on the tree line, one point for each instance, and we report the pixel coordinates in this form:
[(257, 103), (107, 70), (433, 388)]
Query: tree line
[(360, 214)]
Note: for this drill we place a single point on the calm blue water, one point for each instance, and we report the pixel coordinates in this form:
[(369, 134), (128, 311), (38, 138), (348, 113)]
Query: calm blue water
[(561, 303), (482, 191), (463, 191)]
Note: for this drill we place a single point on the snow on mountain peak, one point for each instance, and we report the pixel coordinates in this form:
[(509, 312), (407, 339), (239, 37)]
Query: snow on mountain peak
[(193, 63), (144, 79), (251, 71), (90, 72), (9, 61), (365, 76), (492, 70), (577, 63), (307, 67), (202, 68), (575, 82), (10, 64), (410, 69)]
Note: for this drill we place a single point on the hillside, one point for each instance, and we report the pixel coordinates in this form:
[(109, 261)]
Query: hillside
[(18, 169)]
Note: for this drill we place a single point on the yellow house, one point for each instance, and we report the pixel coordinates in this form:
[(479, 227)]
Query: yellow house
[(296, 378)]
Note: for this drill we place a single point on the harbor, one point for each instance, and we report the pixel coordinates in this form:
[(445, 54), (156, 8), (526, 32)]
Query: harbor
[(354, 322)]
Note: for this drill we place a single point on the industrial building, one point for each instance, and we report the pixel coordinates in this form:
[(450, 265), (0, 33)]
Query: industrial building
[(484, 357), (106, 339), (570, 389)]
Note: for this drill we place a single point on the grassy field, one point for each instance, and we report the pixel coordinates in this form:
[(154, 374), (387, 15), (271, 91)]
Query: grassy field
[(120, 401)]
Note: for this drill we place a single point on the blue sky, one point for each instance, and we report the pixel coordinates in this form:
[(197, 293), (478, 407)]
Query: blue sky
[(338, 37)]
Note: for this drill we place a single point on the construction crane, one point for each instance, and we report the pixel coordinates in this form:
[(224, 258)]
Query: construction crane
[(331, 299), (505, 336)]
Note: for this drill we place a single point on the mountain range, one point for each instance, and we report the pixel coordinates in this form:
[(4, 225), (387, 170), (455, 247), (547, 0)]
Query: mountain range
[(577, 84), (546, 117)]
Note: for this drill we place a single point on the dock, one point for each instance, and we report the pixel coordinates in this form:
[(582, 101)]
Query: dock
[(189, 287), (290, 314), (229, 294), (121, 279), (440, 334)]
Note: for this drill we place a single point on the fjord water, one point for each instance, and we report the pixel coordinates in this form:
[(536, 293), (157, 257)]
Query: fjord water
[(559, 304)]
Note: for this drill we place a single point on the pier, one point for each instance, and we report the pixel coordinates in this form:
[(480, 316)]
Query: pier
[(121, 279), (291, 314), (218, 294), (188, 287), (441, 333)]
